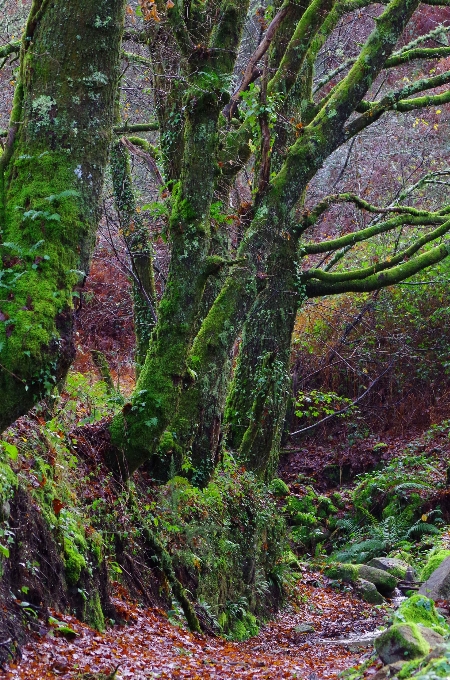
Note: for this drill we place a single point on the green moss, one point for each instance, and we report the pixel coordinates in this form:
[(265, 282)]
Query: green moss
[(279, 488), (244, 628), (405, 636), (384, 582), (93, 614), (343, 572), (437, 668), (434, 561), (420, 609), (74, 562)]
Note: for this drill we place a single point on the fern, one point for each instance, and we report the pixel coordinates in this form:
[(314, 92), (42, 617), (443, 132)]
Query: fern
[(420, 528)]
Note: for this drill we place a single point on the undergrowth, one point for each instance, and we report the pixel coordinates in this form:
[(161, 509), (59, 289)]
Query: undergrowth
[(226, 541)]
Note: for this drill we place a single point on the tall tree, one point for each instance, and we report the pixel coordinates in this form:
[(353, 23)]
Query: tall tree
[(51, 176)]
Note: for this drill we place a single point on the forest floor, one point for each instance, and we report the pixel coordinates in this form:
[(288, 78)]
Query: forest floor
[(150, 646)]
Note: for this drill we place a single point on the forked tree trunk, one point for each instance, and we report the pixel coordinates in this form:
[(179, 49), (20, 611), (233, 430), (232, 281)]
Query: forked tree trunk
[(51, 176)]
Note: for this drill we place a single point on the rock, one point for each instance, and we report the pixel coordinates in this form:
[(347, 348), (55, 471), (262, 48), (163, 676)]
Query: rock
[(5, 511), (304, 628), (398, 568), (368, 592), (433, 638), (396, 667), (401, 642), (437, 587), (435, 559), (382, 674), (384, 582), (420, 610)]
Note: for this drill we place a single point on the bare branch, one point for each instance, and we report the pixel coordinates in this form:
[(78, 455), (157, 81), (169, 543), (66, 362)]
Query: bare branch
[(251, 73)]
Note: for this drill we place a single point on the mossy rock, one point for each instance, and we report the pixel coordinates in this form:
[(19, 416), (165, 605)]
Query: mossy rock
[(384, 582), (368, 592), (434, 561), (420, 609), (401, 642), (437, 668), (393, 566)]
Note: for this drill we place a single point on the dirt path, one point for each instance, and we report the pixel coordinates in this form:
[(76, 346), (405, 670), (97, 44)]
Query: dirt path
[(151, 647)]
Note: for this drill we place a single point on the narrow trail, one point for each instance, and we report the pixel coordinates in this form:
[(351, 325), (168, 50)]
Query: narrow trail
[(149, 646)]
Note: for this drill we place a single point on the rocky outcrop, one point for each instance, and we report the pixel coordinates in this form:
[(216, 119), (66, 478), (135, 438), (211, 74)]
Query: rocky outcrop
[(437, 587)]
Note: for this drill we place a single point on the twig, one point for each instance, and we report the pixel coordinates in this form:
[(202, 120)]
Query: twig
[(338, 413)]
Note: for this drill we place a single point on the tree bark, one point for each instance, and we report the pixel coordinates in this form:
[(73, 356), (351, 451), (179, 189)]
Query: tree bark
[(51, 175)]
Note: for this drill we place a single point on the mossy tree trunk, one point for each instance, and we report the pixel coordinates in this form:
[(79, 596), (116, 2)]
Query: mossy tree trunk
[(137, 431), (51, 175)]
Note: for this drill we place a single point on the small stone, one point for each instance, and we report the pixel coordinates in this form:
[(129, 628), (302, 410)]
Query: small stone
[(304, 628)]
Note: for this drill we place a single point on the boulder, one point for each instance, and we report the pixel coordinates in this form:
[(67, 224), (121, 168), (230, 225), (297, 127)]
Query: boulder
[(437, 587), (421, 610), (401, 642), (398, 568), (434, 639), (368, 592), (384, 582), (435, 559)]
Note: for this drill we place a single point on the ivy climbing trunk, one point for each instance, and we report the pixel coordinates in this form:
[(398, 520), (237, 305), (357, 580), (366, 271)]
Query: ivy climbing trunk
[(51, 174)]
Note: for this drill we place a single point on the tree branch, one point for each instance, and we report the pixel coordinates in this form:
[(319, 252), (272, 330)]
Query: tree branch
[(402, 105), (312, 217), (10, 48), (382, 279), (347, 408), (406, 254), (373, 230), (251, 73)]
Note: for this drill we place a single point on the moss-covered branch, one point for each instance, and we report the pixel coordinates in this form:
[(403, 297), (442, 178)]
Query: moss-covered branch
[(311, 218), (10, 48), (382, 279), (392, 99), (364, 272), (369, 232), (137, 58), (418, 53), (126, 129), (402, 106), (305, 32)]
